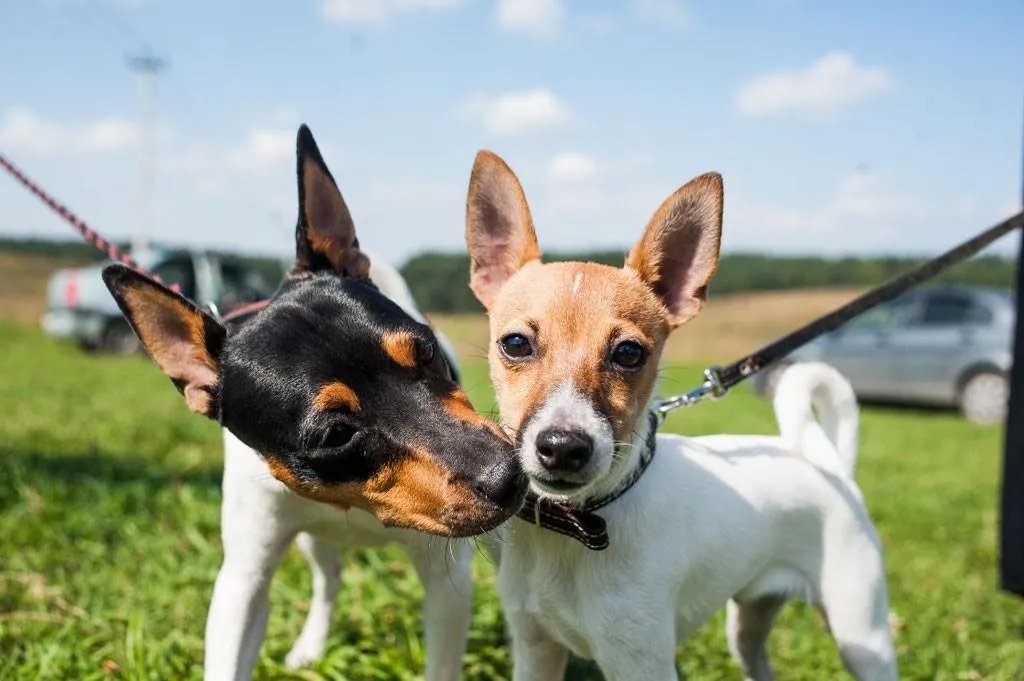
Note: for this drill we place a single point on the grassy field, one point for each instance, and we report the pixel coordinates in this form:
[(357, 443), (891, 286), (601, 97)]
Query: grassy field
[(109, 493)]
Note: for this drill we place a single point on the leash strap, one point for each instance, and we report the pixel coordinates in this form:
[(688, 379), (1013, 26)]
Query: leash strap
[(718, 380), (108, 248), (583, 524)]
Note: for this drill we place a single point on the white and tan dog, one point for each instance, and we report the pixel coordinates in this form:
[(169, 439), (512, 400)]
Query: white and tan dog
[(743, 521)]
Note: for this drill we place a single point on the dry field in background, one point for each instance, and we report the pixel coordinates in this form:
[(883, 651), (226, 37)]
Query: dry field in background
[(728, 327), (23, 285)]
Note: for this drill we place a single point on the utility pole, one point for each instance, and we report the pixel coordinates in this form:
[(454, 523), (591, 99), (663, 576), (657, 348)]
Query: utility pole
[(147, 65)]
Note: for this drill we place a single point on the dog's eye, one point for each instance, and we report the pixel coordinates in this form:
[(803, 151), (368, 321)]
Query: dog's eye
[(339, 435), (515, 346), (425, 351), (629, 355)]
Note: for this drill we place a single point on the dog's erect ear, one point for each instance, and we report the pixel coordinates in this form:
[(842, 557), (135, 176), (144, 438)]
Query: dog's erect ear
[(184, 341), (325, 237), (678, 251), (499, 229)]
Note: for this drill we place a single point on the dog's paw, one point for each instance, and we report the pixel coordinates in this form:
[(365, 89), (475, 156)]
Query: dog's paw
[(304, 653)]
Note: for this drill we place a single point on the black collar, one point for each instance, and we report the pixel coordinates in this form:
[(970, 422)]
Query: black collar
[(582, 524)]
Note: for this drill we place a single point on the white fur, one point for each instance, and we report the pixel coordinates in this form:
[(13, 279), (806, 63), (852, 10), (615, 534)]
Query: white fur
[(745, 522), (567, 408), (260, 518)]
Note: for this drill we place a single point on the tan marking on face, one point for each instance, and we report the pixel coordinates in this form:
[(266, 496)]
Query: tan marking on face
[(336, 396), (572, 331), (400, 346), (414, 492), (461, 409)]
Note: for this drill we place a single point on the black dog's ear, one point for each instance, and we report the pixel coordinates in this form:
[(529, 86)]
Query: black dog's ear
[(185, 342), (325, 237)]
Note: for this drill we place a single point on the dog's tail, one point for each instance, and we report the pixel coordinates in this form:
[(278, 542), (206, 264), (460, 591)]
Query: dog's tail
[(807, 387)]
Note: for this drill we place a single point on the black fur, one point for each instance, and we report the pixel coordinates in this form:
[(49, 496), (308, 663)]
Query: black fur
[(325, 326)]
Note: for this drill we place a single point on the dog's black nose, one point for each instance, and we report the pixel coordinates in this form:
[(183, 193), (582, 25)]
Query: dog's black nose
[(564, 450), (504, 484)]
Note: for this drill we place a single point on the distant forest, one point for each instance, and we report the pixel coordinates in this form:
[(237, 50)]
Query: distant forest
[(439, 281)]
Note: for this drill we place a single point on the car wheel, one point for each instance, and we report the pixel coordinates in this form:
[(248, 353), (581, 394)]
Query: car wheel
[(119, 339), (984, 398)]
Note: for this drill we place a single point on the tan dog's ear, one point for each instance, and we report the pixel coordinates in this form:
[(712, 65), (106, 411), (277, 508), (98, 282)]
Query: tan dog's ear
[(499, 229), (678, 251), (184, 341), (325, 237)]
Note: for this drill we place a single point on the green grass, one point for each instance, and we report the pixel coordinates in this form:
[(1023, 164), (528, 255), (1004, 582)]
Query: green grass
[(109, 493)]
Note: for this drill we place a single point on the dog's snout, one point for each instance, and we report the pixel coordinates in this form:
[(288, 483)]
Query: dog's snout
[(503, 484), (564, 450)]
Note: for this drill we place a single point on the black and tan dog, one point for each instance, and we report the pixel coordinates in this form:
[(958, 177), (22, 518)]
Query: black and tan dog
[(343, 424)]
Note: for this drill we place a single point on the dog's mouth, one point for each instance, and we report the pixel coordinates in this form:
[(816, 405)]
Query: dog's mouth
[(557, 486)]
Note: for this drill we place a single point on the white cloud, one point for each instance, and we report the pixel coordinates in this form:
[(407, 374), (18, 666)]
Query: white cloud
[(662, 12), (829, 85), (572, 167), (265, 151), (22, 130), (860, 212), (538, 18), (377, 12), (516, 113), (116, 4)]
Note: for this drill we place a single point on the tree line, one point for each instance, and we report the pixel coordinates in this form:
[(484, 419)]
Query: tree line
[(439, 281)]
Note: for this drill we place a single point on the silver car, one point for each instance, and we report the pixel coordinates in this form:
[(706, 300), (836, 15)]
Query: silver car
[(944, 346)]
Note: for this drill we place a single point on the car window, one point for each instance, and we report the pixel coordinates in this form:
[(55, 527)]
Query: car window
[(980, 314), (246, 282), (949, 310), (884, 317), (178, 270)]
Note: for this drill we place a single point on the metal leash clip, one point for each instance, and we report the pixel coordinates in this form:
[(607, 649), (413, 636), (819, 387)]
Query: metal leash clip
[(712, 387)]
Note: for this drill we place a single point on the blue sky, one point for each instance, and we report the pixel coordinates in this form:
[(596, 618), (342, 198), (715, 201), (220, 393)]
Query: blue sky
[(840, 127)]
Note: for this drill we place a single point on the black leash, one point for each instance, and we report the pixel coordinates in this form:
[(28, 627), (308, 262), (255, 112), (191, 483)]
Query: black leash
[(719, 380)]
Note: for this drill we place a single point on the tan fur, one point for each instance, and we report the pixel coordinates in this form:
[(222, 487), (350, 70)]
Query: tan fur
[(400, 346), (461, 409), (496, 196), (573, 336), (414, 492), (674, 238), (174, 335), (336, 396), (329, 227), (574, 314)]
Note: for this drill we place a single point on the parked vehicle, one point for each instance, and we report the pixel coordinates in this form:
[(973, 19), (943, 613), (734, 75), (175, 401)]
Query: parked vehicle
[(946, 346), (80, 308)]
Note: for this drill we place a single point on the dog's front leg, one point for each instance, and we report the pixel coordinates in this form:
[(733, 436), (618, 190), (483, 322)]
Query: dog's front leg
[(237, 620), (444, 568), (325, 564), (536, 656), (255, 533)]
